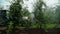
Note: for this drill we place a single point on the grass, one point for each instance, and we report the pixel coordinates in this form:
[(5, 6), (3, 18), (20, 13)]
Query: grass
[(47, 26), (36, 25), (52, 26)]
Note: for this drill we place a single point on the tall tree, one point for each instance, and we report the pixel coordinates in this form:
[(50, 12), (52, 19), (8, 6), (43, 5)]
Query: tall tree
[(15, 15), (15, 12), (39, 13)]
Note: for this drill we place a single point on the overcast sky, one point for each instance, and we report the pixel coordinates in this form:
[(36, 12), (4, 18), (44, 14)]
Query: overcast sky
[(50, 3)]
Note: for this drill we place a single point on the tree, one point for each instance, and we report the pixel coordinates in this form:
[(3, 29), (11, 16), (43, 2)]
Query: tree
[(39, 16), (15, 15), (15, 12)]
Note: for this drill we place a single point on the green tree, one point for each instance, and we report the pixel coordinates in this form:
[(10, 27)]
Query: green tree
[(15, 12), (39, 16), (15, 15)]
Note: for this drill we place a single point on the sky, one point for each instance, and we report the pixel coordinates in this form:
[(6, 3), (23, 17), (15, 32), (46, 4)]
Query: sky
[(29, 4), (1, 1), (50, 3), (4, 3)]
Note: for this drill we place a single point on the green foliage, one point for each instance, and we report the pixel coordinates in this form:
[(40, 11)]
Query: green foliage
[(35, 25), (39, 16), (25, 12), (9, 27), (15, 12), (58, 14), (50, 16), (14, 15), (41, 20)]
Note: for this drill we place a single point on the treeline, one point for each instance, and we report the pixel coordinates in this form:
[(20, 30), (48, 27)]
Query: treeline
[(39, 18)]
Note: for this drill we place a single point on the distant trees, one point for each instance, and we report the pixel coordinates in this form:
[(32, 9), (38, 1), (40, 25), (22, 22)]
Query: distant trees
[(50, 16), (58, 14), (1, 8)]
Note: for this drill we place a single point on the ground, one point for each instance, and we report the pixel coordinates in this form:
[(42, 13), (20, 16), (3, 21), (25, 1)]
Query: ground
[(31, 31)]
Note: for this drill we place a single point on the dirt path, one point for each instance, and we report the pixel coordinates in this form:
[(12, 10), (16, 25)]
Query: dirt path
[(31, 31)]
